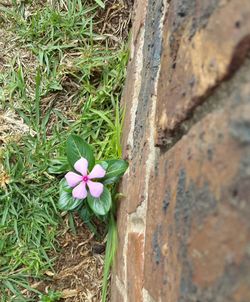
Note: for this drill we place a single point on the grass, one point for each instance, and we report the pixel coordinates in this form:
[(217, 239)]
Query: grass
[(69, 80)]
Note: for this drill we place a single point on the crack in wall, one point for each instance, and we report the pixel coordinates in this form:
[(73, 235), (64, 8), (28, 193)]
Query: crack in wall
[(215, 99)]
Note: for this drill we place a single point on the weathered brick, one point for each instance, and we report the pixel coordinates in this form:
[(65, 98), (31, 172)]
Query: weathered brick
[(197, 248), (135, 258), (133, 82), (204, 43), (116, 294), (140, 10), (139, 138), (129, 102), (194, 187), (119, 264)]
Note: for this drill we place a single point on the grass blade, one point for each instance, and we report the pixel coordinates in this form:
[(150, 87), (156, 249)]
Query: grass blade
[(100, 3), (38, 97), (111, 246)]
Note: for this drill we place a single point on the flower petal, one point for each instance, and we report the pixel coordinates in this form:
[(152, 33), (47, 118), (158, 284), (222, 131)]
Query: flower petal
[(95, 188), (73, 179), (81, 166), (97, 172), (80, 192)]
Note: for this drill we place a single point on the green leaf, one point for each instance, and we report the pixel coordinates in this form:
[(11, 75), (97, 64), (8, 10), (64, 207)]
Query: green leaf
[(86, 215), (72, 223), (115, 170), (101, 205), (111, 247), (100, 3), (104, 164), (59, 165), (66, 200), (76, 148)]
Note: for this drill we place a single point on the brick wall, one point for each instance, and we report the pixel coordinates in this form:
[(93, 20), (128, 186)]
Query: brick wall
[(184, 226)]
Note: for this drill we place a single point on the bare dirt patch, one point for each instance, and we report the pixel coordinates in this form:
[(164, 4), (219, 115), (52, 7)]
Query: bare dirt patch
[(79, 266)]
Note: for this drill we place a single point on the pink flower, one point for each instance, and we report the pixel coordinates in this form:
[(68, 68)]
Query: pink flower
[(79, 182)]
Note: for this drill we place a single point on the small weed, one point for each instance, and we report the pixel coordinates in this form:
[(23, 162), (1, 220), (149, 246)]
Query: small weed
[(50, 297)]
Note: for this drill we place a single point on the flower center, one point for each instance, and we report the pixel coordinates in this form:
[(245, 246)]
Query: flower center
[(85, 178)]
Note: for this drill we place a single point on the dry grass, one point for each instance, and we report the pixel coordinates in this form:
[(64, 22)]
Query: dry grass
[(79, 266), (12, 127)]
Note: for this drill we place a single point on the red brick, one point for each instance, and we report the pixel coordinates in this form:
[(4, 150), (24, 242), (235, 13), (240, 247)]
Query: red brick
[(135, 261), (197, 226), (193, 64), (115, 293), (198, 243)]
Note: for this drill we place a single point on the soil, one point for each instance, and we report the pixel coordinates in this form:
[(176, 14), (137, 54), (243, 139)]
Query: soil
[(78, 269), (115, 20)]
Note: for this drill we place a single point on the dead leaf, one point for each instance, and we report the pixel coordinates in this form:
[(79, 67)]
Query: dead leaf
[(69, 293), (49, 273)]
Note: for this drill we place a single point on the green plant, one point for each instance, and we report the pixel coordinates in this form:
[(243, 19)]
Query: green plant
[(50, 297), (100, 3), (91, 193)]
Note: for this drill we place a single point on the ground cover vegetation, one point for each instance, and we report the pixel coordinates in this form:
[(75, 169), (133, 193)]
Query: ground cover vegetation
[(62, 69)]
